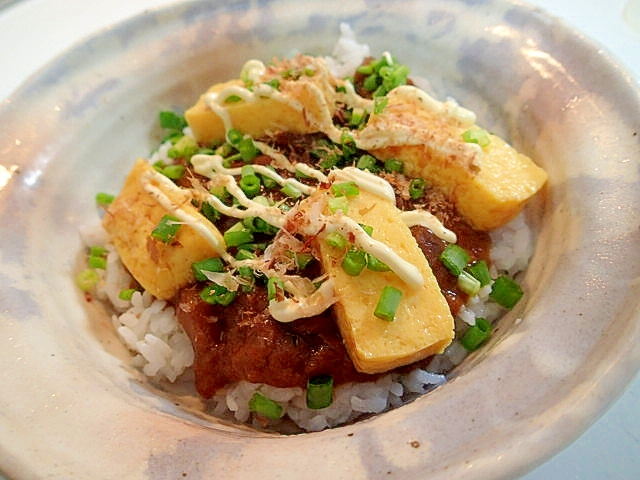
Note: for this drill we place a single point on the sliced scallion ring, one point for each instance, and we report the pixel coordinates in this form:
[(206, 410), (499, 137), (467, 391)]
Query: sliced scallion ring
[(104, 199), (388, 303), (214, 264), (476, 335), (354, 262), (265, 407), (455, 258), (167, 229), (87, 279), (505, 292), (319, 392)]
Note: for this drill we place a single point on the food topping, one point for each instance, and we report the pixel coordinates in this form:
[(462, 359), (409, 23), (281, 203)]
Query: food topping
[(310, 230)]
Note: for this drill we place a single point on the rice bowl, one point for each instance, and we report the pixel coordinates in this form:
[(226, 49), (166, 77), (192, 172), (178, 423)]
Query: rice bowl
[(163, 286)]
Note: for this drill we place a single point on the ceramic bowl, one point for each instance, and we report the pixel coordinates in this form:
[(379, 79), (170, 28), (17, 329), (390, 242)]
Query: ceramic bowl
[(72, 407)]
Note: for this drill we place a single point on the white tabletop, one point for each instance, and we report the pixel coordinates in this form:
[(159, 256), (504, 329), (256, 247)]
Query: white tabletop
[(610, 449)]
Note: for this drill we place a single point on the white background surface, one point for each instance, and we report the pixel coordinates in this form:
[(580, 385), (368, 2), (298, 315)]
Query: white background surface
[(33, 31)]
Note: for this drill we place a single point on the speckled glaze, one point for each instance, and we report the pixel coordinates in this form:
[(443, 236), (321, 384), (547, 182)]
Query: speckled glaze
[(71, 407)]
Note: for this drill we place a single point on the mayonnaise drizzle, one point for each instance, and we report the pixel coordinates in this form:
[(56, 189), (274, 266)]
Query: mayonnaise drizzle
[(216, 100), (211, 165), (450, 108), (292, 308), (365, 180), (427, 219)]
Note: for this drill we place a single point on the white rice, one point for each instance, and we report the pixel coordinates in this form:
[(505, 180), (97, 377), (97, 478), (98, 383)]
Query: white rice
[(162, 350)]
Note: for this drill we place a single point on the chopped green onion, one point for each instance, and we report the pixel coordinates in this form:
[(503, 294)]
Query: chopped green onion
[(354, 262), (476, 135), (174, 172), (220, 191), (291, 191), (247, 149), (392, 165), (376, 265), (171, 120), (348, 145), (210, 212), (97, 262), (244, 254), (358, 116), (367, 162), (265, 407), (347, 189), (234, 136), (246, 273), (257, 224), (273, 284), (383, 75), (480, 271), (262, 200), (214, 264), (224, 150), (87, 279), (329, 161), (416, 188), (253, 247), (368, 229), (233, 99), (505, 292), (98, 251), (476, 335), (336, 240), (338, 203), (388, 303), (172, 136), (229, 161), (379, 104), (455, 258), (104, 199), (217, 294), (302, 260), (274, 83), (237, 235), (267, 181), (186, 147), (365, 69), (371, 82), (319, 392), (250, 185), (468, 283), (392, 76), (126, 294), (167, 229)]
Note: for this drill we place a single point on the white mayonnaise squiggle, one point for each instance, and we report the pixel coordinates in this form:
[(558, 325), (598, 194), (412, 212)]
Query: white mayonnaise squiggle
[(427, 219), (290, 309), (365, 180)]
